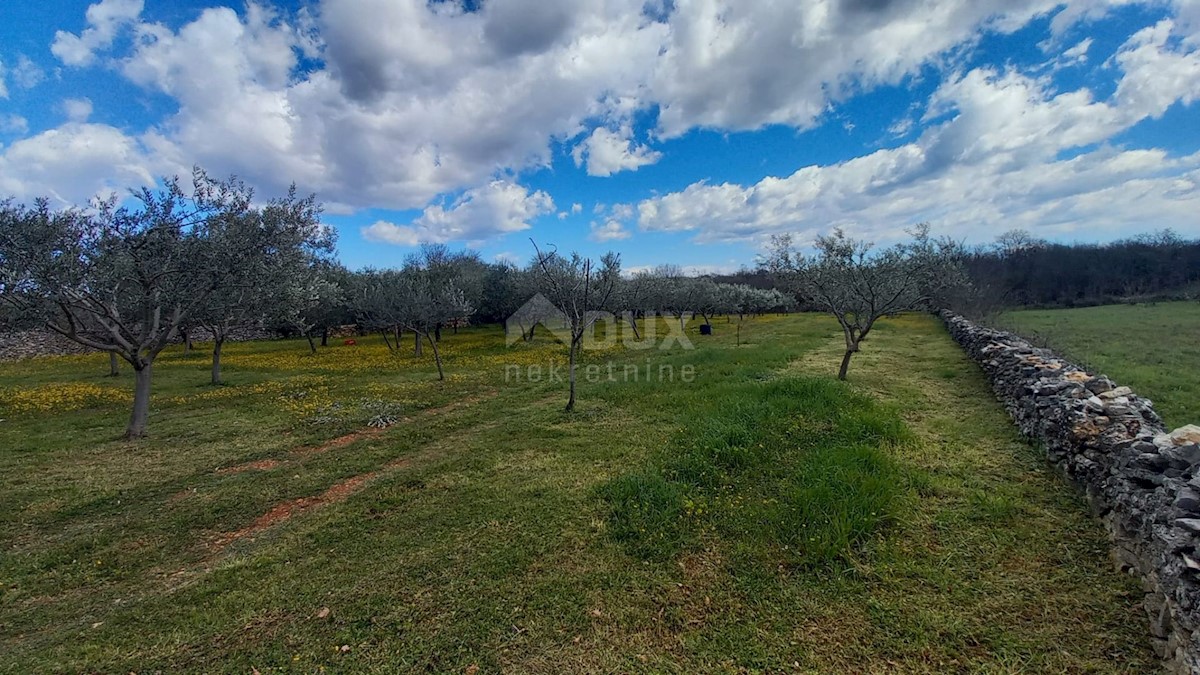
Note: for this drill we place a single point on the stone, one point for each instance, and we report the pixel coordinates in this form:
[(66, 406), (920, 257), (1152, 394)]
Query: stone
[(1152, 460), (1115, 393), (1183, 455), (1099, 385), (1188, 501), (1185, 435)]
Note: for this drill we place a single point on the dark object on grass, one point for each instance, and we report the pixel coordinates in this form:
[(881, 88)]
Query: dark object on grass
[(705, 329)]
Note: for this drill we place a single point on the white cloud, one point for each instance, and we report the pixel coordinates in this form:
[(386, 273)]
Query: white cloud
[(723, 67), (421, 99), (576, 208), (76, 162), (77, 109), (608, 152), (610, 230), (1157, 75), (104, 19), (611, 226), (498, 208), (901, 127), (14, 124), (415, 100), (1078, 53), (997, 163), (27, 74)]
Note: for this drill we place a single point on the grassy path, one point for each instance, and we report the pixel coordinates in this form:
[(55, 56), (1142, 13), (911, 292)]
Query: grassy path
[(474, 537), (1000, 566)]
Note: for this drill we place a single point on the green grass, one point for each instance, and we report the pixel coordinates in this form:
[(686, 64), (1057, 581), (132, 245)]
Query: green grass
[(1153, 348), (793, 469), (762, 517)]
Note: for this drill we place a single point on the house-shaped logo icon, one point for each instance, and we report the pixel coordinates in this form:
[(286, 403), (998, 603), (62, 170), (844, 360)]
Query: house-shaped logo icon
[(538, 310)]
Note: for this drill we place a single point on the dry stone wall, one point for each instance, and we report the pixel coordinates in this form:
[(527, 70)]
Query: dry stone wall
[(26, 344), (1140, 479)]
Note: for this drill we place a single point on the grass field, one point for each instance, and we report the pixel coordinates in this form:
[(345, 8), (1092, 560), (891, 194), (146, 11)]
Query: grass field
[(1153, 348), (763, 517)]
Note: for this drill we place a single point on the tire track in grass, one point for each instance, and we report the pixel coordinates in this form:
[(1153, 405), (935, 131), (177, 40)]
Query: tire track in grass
[(342, 490), (301, 453)]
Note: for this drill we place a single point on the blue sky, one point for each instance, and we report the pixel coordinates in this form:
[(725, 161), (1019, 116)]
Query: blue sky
[(684, 132)]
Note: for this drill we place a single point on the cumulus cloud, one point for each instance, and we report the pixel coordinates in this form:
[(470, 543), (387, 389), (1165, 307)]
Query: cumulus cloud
[(607, 152), (104, 20), (611, 225), (14, 124), (411, 100), (996, 163), (75, 162), (420, 99), (722, 66), (1078, 53), (27, 74), (498, 208), (77, 109), (610, 230)]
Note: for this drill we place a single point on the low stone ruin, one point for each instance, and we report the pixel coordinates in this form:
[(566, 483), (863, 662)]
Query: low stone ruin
[(1143, 482)]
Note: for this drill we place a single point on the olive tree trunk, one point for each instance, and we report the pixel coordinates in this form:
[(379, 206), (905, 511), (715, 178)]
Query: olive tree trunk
[(141, 401), (571, 374), (114, 368), (436, 357), (845, 364), (216, 362)]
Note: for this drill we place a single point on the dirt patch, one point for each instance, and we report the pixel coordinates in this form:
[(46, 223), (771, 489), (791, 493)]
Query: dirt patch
[(285, 510), (343, 441), (338, 492), (339, 442), (257, 465), (452, 406)]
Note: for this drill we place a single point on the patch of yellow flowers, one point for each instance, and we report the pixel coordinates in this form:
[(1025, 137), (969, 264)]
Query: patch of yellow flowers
[(61, 397)]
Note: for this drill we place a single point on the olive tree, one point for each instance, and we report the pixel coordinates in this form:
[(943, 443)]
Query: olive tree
[(581, 290), (303, 295), (858, 284), (279, 282), (123, 279), (632, 298), (428, 302), (373, 296)]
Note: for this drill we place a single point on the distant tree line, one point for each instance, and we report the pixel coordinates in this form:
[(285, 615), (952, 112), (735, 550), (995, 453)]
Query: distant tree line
[(1020, 270)]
